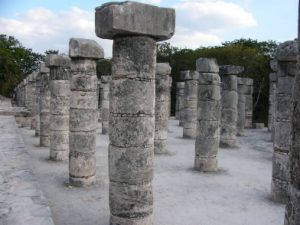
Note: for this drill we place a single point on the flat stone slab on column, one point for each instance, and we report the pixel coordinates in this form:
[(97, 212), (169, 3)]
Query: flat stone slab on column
[(132, 18)]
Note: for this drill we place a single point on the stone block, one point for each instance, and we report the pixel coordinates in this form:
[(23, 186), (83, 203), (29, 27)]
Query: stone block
[(55, 60), (82, 164), (287, 51), (83, 119), (274, 64), (209, 78), (208, 129), (131, 201), (209, 110), (81, 82), (82, 141), (132, 97), (132, 18), (189, 75), (163, 68), (125, 131), (132, 165), (231, 69), (207, 146), (209, 92), (280, 166), (207, 65), (84, 100), (85, 48)]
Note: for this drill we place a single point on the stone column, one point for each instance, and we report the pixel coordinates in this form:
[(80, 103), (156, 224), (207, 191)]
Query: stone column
[(190, 103), (32, 103), (44, 106), (248, 102), (104, 95), (229, 104), (292, 211), (99, 106), (135, 31), (242, 90), (84, 54), (286, 56), (272, 97), (179, 99), (59, 105), (37, 104), (208, 115), (162, 104)]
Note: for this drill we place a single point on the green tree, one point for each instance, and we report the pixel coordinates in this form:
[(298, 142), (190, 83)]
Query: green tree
[(16, 62), (51, 51)]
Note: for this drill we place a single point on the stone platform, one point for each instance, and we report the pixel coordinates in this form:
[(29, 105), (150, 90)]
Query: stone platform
[(21, 201)]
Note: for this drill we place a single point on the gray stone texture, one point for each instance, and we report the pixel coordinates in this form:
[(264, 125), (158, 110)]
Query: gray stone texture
[(246, 87), (104, 102), (190, 103), (132, 18), (229, 105), (83, 120), (272, 96), (59, 105), (135, 27), (44, 106), (179, 100), (241, 107), (208, 116), (37, 104), (286, 60), (292, 212), (162, 107)]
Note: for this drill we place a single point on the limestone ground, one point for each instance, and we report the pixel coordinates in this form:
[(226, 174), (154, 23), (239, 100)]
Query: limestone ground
[(237, 195)]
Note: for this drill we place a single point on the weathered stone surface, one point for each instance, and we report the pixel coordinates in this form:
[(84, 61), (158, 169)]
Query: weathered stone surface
[(286, 70), (106, 82), (259, 125), (231, 69), (54, 60), (162, 105), (273, 64), (83, 111), (85, 48), (207, 65), (287, 51), (131, 18), (208, 116), (229, 116), (59, 106), (179, 100)]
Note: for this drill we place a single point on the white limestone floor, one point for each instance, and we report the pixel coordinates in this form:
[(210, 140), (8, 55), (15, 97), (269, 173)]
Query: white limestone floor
[(237, 195)]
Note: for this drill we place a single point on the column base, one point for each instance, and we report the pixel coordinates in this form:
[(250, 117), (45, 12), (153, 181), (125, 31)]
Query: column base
[(44, 141), (292, 211), (59, 155), (82, 181), (115, 220), (279, 191), (206, 164), (228, 143)]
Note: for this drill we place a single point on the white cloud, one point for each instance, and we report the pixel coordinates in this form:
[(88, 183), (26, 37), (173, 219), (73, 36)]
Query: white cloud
[(198, 23), (206, 21), (42, 29)]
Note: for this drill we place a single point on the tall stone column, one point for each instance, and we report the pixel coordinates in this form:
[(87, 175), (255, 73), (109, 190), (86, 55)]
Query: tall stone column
[(179, 99), (229, 104), (84, 54), (292, 211), (208, 115), (162, 104), (32, 103), (272, 96), (242, 90), (37, 104), (286, 56), (44, 106), (190, 103), (104, 95), (248, 102), (99, 105), (59, 106), (135, 30)]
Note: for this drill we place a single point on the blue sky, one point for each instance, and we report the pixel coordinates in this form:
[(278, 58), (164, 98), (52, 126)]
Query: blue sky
[(48, 24)]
